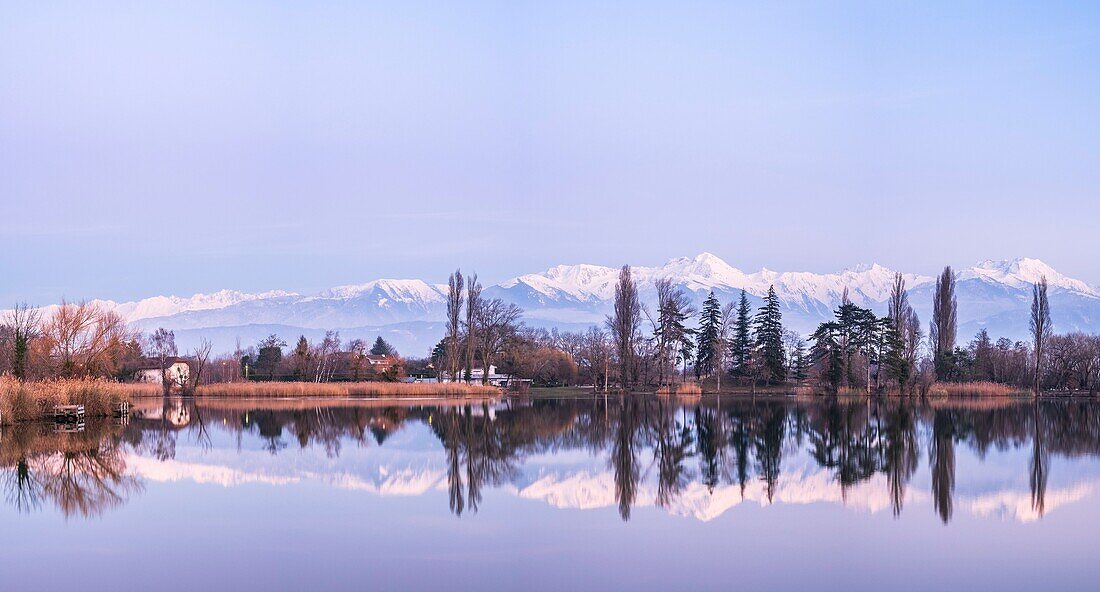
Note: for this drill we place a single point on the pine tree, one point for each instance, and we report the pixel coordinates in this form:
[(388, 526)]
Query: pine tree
[(710, 321), (894, 359), (382, 348), (741, 342), (768, 326), (857, 333), (828, 351), (799, 363), (301, 358)]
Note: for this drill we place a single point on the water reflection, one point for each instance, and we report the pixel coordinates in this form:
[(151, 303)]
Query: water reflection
[(80, 474), (653, 451)]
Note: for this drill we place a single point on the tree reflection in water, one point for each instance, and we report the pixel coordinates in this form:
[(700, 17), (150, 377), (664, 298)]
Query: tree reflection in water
[(80, 474), (736, 443), (941, 459), (480, 451)]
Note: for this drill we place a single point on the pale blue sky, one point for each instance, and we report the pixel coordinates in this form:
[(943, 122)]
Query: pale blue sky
[(178, 147)]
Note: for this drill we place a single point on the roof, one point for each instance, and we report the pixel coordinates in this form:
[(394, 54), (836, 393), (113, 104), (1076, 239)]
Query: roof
[(154, 363)]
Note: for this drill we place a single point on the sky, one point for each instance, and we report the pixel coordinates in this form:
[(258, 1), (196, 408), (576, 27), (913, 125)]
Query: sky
[(172, 148)]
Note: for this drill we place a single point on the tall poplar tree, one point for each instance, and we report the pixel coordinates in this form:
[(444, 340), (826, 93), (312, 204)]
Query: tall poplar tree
[(455, 285), (943, 330), (624, 323), (1040, 328)]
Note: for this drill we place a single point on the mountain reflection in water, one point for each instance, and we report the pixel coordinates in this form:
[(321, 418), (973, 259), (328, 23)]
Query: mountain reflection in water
[(697, 459)]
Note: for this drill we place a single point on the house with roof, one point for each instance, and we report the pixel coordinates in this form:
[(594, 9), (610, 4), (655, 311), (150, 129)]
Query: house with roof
[(148, 371), (477, 376)]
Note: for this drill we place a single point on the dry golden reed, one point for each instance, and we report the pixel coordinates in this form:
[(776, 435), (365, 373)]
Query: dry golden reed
[(689, 388), (684, 389), (346, 389), (28, 401), (976, 389)]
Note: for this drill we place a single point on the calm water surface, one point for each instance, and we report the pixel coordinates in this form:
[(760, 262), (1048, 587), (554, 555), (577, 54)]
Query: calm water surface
[(631, 493)]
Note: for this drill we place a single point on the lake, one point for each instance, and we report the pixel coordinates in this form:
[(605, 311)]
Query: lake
[(634, 492)]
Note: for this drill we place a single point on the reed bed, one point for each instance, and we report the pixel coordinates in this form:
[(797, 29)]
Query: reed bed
[(689, 388), (346, 389), (972, 389), (29, 401), (242, 404), (683, 389)]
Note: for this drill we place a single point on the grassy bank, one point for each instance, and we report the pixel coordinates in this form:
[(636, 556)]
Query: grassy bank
[(345, 389), (29, 401)]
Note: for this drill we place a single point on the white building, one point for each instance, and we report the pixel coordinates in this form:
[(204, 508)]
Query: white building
[(176, 370), (477, 374)]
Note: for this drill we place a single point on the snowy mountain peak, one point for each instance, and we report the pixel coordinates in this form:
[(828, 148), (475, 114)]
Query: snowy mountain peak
[(705, 272), (1025, 272), (415, 291), (578, 273), (869, 267), (162, 306), (583, 282), (702, 267)]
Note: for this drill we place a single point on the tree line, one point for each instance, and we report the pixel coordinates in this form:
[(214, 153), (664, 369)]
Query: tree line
[(662, 345), (856, 350)]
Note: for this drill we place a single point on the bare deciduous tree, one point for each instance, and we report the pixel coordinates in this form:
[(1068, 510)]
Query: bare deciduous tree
[(323, 355), (473, 303), (496, 321), (454, 321), (596, 356), (725, 338), (1040, 327), (84, 338), (624, 323), (161, 346), (943, 331), (23, 321), (905, 322), (199, 357)]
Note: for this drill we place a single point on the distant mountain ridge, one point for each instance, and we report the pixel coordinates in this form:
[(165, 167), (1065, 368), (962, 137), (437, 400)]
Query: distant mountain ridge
[(991, 294)]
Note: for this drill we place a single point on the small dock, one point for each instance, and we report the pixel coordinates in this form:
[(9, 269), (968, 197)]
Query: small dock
[(73, 427), (68, 413)]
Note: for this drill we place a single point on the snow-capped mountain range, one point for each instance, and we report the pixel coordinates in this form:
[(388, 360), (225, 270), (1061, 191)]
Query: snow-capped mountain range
[(409, 312)]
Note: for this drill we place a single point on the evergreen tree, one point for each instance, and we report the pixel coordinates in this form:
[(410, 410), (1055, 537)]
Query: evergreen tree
[(710, 321), (741, 342), (894, 360), (301, 358), (981, 349), (382, 347), (269, 356), (768, 326), (856, 331), (828, 351), (799, 362)]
